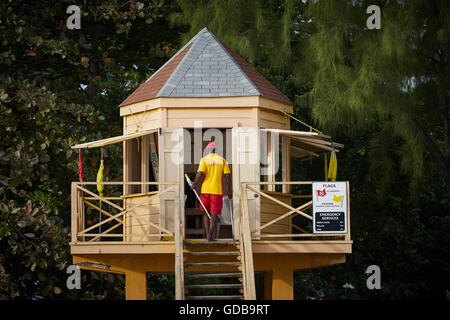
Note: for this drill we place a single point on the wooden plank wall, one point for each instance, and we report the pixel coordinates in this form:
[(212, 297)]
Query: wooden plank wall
[(271, 210), (185, 118), (273, 119), (211, 117), (146, 211), (145, 120)]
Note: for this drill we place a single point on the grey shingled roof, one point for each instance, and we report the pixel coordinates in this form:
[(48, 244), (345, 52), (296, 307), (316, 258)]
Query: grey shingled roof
[(205, 67), (208, 70)]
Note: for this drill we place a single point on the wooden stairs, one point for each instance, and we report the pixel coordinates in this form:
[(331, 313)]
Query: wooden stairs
[(222, 269), (213, 270)]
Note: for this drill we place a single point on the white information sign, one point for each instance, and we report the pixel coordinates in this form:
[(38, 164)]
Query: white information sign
[(329, 207)]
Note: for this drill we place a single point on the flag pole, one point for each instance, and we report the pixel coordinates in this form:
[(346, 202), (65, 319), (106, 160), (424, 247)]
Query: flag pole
[(190, 185)]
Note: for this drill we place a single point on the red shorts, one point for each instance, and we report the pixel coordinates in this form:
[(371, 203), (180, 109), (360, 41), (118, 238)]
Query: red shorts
[(212, 202)]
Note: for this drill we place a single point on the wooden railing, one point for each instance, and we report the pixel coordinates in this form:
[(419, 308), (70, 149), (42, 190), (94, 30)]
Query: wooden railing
[(82, 197), (80, 232), (298, 211), (245, 244), (179, 263)]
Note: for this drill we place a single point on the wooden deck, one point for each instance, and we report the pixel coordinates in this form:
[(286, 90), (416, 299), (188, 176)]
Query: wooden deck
[(146, 234), (168, 247)]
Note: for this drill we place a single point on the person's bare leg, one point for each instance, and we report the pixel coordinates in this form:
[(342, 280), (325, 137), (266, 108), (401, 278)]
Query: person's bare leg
[(212, 226), (206, 225)]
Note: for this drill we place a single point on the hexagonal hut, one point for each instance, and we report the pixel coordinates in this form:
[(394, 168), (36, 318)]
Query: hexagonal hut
[(151, 221)]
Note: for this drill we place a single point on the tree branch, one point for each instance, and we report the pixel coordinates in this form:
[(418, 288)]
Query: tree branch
[(433, 149)]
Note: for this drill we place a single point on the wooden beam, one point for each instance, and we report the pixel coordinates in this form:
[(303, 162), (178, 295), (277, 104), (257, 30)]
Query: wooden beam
[(301, 196), (247, 245), (286, 162), (140, 203), (282, 203), (137, 195), (92, 183), (74, 211), (100, 198), (293, 133), (127, 210), (316, 145), (279, 182), (81, 213), (126, 167), (348, 235), (107, 198), (297, 210), (302, 235), (145, 163), (179, 263), (112, 140), (165, 231), (136, 285), (121, 234), (283, 283), (105, 232), (301, 150), (299, 229), (206, 102), (272, 157), (101, 210), (319, 140), (83, 232)]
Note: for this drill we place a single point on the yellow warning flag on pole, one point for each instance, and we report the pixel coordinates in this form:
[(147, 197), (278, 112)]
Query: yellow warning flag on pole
[(332, 170), (100, 179)]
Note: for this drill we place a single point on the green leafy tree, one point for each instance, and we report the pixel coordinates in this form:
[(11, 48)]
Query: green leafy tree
[(351, 77), (383, 94), (34, 249), (59, 87), (395, 78)]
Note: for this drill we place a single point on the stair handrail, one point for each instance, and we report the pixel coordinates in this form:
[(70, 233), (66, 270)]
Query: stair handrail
[(245, 244), (178, 239)]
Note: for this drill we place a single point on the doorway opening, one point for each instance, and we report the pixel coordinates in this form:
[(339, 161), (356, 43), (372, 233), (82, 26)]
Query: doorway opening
[(195, 142)]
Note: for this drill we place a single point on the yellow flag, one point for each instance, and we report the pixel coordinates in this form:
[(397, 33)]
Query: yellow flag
[(332, 170), (100, 179)]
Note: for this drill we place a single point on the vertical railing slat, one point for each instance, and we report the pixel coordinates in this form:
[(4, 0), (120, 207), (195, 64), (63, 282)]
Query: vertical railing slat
[(179, 264), (74, 212), (250, 293), (348, 235)]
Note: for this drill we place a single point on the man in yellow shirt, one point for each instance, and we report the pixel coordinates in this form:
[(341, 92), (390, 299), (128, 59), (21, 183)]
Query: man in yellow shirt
[(212, 168)]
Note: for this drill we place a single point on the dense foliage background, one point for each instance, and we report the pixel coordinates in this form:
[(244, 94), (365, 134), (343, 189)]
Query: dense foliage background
[(383, 93)]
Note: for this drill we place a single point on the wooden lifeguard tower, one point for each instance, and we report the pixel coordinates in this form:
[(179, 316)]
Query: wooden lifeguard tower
[(149, 222)]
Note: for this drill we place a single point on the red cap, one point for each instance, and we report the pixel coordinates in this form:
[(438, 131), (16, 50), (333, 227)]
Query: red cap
[(211, 145)]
